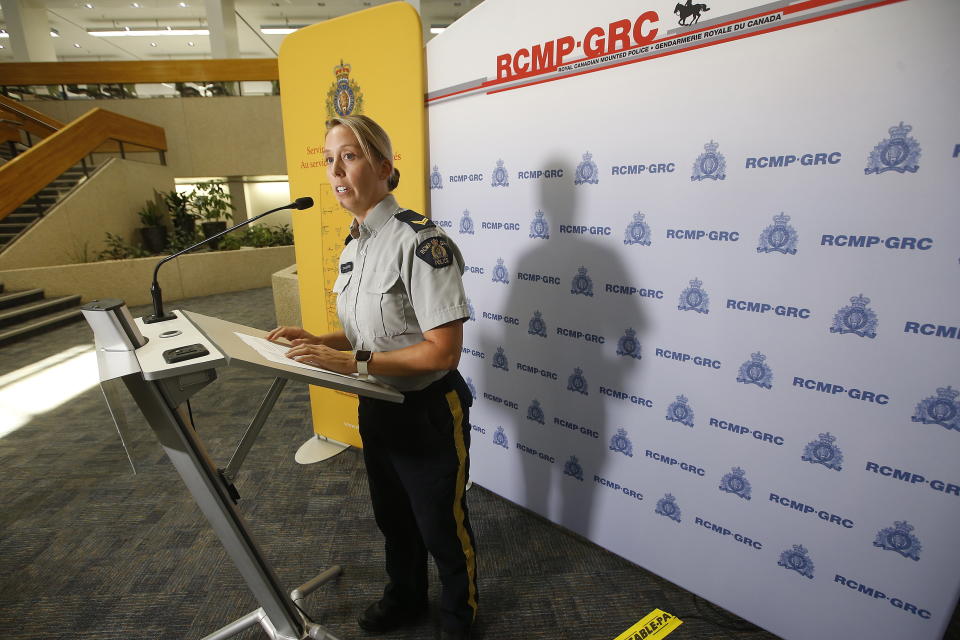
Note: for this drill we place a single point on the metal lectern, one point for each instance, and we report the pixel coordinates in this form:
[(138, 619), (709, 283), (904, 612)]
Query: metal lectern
[(162, 365)]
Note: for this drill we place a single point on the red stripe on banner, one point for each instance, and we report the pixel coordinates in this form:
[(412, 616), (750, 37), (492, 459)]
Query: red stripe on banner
[(810, 4), (706, 44)]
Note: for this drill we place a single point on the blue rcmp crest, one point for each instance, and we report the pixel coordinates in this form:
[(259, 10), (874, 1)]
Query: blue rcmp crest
[(667, 506), (621, 443), (536, 326), (856, 318), (627, 345), (796, 559), (898, 538), (581, 283), (500, 438), (436, 180), (755, 371), (694, 298), (576, 382), (824, 452), (473, 313), (500, 273), (587, 172), (500, 176), (900, 153), (466, 223), (943, 409), (500, 360), (735, 483), (779, 237), (680, 411), (535, 412), (572, 468), (710, 165), (472, 387), (638, 231), (539, 228)]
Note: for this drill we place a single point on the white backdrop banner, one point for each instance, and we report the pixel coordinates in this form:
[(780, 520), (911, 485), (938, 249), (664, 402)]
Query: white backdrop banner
[(712, 260)]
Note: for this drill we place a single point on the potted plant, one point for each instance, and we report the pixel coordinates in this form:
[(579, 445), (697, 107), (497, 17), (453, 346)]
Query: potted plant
[(178, 204), (211, 202), (153, 233)]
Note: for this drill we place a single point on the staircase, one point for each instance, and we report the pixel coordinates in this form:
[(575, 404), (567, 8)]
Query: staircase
[(24, 313), (29, 212)]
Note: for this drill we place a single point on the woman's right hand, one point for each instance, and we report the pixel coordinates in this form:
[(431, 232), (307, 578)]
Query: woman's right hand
[(293, 335)]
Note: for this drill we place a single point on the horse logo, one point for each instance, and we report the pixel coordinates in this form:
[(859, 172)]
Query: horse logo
[(690, 10)]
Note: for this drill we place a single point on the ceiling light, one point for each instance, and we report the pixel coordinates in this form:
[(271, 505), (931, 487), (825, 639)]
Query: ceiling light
[(279, 30), (148, 32), (153, 44), (1, 46), (135, 5), (88, 6), (437, 28), (4, 34), (54, 33), (182, 5), (191, 44), (76, 44)]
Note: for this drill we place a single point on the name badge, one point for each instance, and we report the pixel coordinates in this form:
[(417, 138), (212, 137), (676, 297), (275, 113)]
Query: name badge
[(346, 267)]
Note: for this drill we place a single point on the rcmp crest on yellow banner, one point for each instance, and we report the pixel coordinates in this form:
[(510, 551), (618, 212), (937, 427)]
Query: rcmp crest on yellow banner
[(344, 97)]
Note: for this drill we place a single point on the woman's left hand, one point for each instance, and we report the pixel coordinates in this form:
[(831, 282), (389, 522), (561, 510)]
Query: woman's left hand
[(319, 355)]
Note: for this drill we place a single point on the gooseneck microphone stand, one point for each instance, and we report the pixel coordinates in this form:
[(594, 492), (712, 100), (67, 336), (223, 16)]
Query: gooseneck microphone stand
[(158, 314)]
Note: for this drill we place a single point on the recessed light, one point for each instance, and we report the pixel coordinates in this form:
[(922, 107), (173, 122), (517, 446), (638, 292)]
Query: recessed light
[(87, 5), (153, 44), (76, 44), (191, 44), (135, 5), (182, 5), (1, 46), (54, 33)]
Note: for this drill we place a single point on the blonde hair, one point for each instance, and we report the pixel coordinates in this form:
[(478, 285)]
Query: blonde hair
[(374, 142)]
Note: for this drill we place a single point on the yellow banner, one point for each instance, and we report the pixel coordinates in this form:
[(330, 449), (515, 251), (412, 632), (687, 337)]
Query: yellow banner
[(370, 63), (655, 625)]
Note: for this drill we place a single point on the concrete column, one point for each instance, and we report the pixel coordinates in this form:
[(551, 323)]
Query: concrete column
[(222, 20), (29, 31), (238, 198)]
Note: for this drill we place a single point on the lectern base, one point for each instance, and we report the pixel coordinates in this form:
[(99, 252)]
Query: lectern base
[(319, 448)]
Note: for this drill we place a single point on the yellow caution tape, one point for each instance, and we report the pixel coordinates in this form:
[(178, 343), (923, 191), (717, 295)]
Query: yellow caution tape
[(655, 625)]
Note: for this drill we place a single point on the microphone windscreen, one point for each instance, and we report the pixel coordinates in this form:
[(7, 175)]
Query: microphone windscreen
[(303, 203)]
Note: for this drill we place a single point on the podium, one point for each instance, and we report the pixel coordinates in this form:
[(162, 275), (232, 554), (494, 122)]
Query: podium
[(162, 365)]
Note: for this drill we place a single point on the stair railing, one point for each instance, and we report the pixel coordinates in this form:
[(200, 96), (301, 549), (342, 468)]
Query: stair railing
[(98, 130)]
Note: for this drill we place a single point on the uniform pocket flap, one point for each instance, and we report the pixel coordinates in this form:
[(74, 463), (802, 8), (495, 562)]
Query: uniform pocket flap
[(381, 281), (342, 280)]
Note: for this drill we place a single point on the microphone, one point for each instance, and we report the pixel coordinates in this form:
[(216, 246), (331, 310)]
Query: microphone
[(158, 314)]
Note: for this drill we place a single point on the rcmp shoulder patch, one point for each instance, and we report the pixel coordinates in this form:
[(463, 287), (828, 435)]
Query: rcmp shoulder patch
[(416, 221), (435, 252)]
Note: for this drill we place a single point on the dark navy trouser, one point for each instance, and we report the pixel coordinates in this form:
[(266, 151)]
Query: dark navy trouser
[(418, 462)]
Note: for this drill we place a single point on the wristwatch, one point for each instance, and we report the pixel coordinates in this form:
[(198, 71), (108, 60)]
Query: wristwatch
[(362, 358)]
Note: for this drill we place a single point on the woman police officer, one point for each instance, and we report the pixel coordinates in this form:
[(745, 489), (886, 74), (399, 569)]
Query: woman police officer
[(401, 303)]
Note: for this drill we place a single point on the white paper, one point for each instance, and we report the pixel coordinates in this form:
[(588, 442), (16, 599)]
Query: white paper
[(275, 353)]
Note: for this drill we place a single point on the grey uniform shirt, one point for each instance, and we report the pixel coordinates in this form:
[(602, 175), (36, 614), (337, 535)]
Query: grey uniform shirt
[(399, 276)]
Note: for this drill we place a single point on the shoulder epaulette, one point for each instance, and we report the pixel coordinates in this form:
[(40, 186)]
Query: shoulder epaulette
[(416, 221)]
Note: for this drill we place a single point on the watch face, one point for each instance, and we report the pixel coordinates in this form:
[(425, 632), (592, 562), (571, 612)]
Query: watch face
[(362, 356)]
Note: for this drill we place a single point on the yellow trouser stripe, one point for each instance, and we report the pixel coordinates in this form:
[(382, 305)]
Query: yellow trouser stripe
[(457, 411)]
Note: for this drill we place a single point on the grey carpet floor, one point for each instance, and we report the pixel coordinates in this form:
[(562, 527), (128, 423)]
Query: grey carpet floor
[(89, 550)]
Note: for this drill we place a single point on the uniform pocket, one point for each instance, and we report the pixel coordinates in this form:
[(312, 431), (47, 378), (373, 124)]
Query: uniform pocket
[(342, 281), (385, 298)]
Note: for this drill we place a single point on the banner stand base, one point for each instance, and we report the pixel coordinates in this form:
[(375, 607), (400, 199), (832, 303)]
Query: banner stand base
[(319, 448)]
